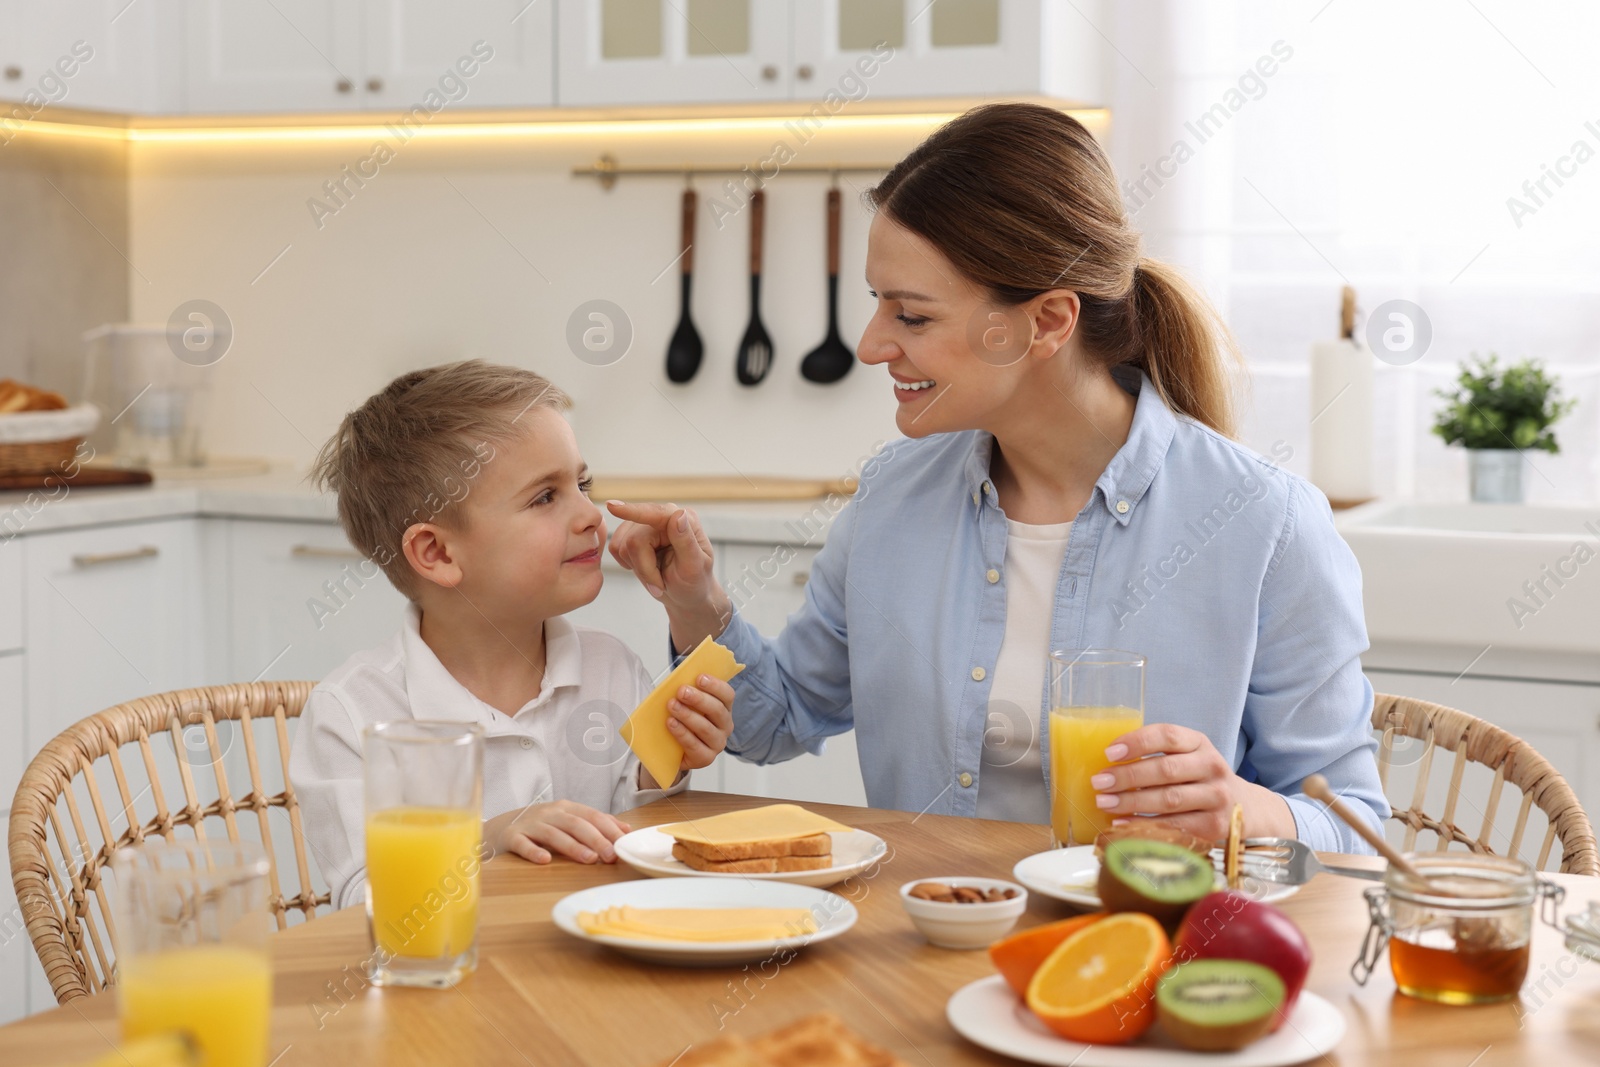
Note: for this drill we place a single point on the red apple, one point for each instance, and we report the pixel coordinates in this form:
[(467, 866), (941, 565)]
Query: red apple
[(1230, 925)]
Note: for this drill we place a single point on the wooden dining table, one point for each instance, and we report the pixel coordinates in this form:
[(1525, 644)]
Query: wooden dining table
[(540, 996)]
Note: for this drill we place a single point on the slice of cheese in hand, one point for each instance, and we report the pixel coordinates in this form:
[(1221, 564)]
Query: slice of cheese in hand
[(646, 729), (770, 822)]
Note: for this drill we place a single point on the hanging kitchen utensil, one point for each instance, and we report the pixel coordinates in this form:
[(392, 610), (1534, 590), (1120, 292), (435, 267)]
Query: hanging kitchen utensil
[(831, 360), (755, 350), (685, 348)]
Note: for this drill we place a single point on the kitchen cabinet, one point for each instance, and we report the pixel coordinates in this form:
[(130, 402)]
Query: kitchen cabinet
[(302, 600), (742, 51), (15, 948), (1561, 720), (10, 594), (12, 756), (388, 55), (663, 51), (469, 53), (272, 55), (97, 54), (113, 613)]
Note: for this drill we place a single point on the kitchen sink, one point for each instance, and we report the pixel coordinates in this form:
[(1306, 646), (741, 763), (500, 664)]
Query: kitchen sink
[(1506, 575)]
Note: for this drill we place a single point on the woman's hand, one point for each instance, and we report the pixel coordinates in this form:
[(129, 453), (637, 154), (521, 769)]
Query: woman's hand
[(563, 828), (1178, 774), (700, 718), (668, 551)]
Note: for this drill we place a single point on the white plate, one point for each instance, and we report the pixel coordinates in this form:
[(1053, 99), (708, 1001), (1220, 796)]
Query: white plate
[(988, 1013), (834, 915), (1070, 874), (649, 851)]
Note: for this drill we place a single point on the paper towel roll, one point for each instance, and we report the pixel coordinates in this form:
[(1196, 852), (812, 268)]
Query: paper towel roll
[(1341, 420)]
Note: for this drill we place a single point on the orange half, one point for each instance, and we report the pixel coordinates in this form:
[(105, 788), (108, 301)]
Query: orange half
[(1017, 957), (1099, 985)]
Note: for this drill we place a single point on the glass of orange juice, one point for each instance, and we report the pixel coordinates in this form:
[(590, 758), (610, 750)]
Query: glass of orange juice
[(424, 831), (1096, 696), (191, 941)]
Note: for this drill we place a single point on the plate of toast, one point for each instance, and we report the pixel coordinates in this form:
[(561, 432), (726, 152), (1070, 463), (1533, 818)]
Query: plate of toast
[(776, 843), (695, 923)]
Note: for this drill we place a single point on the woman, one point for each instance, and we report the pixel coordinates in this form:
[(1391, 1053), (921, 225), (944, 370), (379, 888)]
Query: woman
[(1067, 480)]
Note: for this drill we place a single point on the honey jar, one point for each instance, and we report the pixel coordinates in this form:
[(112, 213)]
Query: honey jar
[(1463, 935)]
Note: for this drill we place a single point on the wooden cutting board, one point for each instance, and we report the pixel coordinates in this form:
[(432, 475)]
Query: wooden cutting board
[(86, 476), (677, 488)]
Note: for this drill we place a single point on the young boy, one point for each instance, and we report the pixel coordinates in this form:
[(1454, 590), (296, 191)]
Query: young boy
[(464, 483)]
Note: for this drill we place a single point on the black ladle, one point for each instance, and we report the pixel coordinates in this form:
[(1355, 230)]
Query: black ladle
[(684, 350), (755, 350), (831, 360)]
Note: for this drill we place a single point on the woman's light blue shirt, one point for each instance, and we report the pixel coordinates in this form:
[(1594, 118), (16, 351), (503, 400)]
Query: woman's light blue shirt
[(1220, 567)]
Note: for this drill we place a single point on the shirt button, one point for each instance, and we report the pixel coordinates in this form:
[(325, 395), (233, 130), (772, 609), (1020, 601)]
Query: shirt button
[(974, 498), (987, 488), (965, 780), (527, 742), (1122, 507), (993, 575), (978, 674)]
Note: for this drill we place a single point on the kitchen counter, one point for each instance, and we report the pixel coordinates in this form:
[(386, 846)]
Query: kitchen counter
[(283, 495)]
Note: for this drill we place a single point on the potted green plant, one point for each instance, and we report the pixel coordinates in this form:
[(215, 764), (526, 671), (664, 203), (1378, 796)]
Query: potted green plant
[(1497, 414)]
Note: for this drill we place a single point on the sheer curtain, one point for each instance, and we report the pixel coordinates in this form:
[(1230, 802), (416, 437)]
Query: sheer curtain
[(1446, 152)]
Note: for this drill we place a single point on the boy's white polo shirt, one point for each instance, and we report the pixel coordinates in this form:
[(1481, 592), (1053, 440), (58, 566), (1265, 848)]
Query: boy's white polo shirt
[(561, 745)]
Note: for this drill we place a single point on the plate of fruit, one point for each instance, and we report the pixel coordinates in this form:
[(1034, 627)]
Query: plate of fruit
[(1216, 975)]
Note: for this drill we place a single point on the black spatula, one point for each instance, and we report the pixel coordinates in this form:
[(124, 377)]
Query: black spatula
[(755, 350), (684, 350), (830, 360)]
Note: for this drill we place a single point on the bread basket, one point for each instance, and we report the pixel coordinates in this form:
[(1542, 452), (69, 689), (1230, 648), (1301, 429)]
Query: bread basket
[(36, 442)]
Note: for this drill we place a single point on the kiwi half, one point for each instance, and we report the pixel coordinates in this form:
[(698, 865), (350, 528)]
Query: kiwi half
[(1218, 1005), (1156, 877)]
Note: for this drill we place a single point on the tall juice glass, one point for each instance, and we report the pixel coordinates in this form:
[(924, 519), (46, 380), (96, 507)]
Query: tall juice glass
[(424, 830), (1096, 696), (191, 941)]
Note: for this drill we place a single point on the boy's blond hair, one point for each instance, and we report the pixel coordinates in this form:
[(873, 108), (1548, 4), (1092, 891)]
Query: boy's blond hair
[(411, 453)]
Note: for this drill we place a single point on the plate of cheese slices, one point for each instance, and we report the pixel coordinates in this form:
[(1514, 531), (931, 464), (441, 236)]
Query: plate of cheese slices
[(772, 843), (696, 923)]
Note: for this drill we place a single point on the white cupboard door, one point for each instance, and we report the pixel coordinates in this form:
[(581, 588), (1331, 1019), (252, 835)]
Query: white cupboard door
[(909, 48), (12, 759), (112, 614), (1560, 720), (672, 51), (461, 55), (96, 54), (625, 610), (304, 600), (15, 948), (273, 55), (767, 583), (10, 591)]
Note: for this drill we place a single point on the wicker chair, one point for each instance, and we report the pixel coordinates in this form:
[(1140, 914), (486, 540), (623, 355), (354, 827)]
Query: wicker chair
[(1513, 760), (58, 857)]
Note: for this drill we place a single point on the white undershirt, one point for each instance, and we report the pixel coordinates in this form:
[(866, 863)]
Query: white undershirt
[(1011, 781)]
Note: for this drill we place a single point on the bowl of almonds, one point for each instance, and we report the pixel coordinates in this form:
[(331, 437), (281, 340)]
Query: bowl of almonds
[(962, 912)]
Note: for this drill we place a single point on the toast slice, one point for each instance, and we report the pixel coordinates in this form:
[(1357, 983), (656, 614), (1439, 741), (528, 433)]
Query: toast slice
[(815, 845), (821, 1040), (756, 865)]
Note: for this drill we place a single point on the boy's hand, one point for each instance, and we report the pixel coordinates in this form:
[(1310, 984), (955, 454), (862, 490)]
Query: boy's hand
[(563, 828), (701, 718)]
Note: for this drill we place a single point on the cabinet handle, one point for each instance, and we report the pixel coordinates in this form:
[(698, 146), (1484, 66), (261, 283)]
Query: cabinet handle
[(343, 85), (94, 559), (318, 552), (803, 72), (374, 85), (13, 73), (802, 577), (769, 73)]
